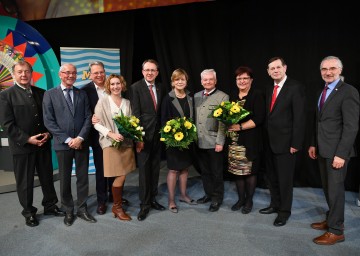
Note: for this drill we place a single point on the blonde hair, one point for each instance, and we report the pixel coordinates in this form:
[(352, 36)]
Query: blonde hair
[(111, 76)]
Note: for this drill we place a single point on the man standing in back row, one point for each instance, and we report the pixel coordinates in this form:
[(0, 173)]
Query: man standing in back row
[(336, 126), (285, 125)]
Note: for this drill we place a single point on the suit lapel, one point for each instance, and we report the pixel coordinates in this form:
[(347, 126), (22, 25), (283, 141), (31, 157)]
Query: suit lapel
[(332, 95)]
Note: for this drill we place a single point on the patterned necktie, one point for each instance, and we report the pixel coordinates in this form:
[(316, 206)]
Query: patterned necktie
[(323, 96), (273, 99), (152, 95), (68, 99), (28, 91)]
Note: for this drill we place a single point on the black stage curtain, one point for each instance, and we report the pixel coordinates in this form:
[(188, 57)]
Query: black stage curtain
[(224, 35)]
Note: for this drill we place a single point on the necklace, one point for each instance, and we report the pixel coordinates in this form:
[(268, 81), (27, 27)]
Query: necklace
[(180, 95)]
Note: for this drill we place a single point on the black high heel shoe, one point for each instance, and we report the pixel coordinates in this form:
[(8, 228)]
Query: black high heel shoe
[(247, 209), (238, 205)]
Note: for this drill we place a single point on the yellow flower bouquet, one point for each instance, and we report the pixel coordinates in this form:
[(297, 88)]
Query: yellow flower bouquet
[(129, 127), (178, 132), (229, 112)]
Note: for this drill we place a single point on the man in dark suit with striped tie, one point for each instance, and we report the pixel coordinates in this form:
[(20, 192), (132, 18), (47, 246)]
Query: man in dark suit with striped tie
[(67, 116)]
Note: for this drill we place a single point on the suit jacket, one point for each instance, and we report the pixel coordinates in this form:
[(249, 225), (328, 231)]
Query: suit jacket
[(91, 92), (142, 107), (59, 119), (285, 124), (210, 131), (170, 107), (337, 123), (21, 118)]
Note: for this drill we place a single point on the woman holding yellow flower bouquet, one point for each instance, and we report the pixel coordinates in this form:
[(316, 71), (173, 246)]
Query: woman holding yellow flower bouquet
[(177, 103), (119, 160), (244, 158)]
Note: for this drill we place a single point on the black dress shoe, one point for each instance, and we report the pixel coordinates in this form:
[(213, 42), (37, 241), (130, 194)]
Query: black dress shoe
[(31, 221), (155, 205), (86, 216), (214, 206), (56, 211), (238, 205), (125, 202), (101, 209), (268, 210), (69, 219), (280, 221), (142, 214), (203, 200)]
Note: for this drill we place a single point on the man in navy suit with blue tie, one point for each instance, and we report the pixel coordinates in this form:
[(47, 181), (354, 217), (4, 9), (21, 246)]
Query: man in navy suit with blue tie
[(67, 116)]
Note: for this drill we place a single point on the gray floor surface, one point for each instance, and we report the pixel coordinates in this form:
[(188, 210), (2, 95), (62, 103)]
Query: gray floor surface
[(192, 231)]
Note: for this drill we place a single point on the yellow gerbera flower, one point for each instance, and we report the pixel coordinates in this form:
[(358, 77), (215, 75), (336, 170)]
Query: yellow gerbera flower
[(218, 112), (187, 125), (167, 128), (179, 136)]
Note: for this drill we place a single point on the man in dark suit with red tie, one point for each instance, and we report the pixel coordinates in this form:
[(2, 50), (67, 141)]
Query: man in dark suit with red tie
[(285, 124), (333, 143), (145, 98), (22, 117)]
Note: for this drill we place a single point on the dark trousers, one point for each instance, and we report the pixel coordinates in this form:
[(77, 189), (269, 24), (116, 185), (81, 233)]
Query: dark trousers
[(333, 185), (65, 160), (148, 161), (211, 165), (103, 184), (280, 169), (24, 170)]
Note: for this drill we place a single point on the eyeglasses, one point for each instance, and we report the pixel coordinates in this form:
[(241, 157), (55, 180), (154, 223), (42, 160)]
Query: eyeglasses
[(243, 78), (98, 73), (150, 70), (68, 73), (331, 69)]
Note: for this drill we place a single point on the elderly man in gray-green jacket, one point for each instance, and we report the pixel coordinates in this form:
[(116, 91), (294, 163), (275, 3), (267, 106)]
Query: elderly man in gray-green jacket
[(211, 139)]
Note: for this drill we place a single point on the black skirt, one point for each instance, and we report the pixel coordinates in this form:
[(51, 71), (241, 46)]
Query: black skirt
[(178, 159)]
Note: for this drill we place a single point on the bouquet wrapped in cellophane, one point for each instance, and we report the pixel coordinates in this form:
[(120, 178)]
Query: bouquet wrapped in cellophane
[(128, 127), (178, 132)]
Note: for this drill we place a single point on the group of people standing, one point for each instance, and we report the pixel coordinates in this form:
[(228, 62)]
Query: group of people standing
[(76, 118)]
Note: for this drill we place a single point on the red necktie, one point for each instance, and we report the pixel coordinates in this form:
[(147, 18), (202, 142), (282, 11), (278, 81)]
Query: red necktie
[(152, 95), (323, 96), (273, 99)]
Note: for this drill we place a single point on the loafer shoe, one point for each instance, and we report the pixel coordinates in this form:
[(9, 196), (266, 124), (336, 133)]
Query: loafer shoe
[(246, 210), (56, 211), (142, 214), (203, 200), (155, 205), (31, 221), (101, 209), (320, 225), (329, 238), (86, 216), (268, 210), (69, 219), (214, 206), (280, 221)]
